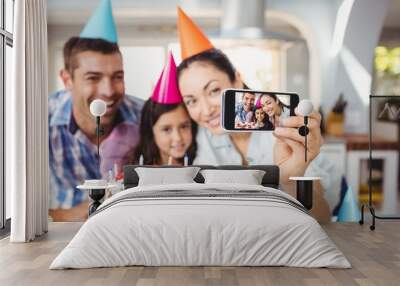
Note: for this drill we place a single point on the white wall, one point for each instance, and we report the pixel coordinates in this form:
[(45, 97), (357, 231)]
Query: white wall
[(361, 37), (316, 20), (297, 70), (355, 62)]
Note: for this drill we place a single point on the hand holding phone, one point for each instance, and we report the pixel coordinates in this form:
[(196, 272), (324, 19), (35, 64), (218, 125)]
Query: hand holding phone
[(289, 136), (250, 110)]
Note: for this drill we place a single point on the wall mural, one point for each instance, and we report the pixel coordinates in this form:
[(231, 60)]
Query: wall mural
[(179, 123)]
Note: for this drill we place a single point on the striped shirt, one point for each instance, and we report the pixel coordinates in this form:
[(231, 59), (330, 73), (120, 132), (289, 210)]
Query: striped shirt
[(73, 157)]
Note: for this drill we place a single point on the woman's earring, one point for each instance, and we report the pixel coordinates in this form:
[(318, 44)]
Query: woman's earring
[(141, 159), (305, 108)]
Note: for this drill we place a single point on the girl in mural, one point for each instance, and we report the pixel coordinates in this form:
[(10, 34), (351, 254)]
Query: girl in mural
[(202, 75), (166, 130), (274, 108), (261, 119)]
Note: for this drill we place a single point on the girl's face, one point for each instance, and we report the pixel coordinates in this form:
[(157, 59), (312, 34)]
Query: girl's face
[(201, 85), (260, 115), (173, 133), (270, 106)]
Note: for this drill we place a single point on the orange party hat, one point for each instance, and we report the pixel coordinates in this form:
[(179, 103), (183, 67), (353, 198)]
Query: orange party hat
[(192, 39)]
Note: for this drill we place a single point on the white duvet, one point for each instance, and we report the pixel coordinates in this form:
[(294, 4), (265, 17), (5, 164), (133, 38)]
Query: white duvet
[(190, 230)]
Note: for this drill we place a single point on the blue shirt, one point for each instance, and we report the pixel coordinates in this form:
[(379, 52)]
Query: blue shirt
[(72, 157), (242, 115)]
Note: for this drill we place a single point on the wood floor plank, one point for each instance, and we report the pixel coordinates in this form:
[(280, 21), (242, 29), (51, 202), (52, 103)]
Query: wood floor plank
[(375, 258), (212, 272), (131, 276), (146, 282)]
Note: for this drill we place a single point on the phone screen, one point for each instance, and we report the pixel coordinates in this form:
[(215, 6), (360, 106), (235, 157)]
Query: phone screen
[(248, 110)]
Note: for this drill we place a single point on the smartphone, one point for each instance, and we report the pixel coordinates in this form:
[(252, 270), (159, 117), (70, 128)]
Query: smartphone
[(251, 110)]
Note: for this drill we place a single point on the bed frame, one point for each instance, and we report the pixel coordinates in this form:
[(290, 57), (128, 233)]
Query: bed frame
[(304, 188), (270, 179)]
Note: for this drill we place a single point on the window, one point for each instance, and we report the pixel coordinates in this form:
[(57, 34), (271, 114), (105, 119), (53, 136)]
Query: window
[(141, 81), (387, 69), (9, 15), (259, 66), (6, 44)]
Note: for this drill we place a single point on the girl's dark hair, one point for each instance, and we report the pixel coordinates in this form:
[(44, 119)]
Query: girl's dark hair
[(267, 123), (147, 147), (212, 56)]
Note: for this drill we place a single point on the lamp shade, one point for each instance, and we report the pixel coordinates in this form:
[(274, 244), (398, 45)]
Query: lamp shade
[(98, 107)]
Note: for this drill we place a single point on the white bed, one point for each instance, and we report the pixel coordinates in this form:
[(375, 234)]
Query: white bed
[(201, 224)]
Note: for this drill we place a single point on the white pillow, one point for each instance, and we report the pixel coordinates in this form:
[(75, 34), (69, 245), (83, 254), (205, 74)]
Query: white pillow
[(248, 177), (163, 176)]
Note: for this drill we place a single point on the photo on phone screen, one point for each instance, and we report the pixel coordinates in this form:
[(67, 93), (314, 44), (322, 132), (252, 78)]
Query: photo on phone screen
[(249, 110)]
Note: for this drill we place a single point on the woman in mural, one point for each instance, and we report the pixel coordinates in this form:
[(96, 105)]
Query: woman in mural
[(274, 108), (202, 75), (166, 130)]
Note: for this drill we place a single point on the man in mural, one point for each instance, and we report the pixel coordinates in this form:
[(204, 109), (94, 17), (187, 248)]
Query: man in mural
[(93, 69), (244, 111)]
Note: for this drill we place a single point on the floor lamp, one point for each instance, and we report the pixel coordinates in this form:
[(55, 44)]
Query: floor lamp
[(97, 108), (393, 116)]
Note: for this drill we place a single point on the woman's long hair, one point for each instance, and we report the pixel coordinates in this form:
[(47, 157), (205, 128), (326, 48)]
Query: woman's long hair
[(280, 103), (147, 147)]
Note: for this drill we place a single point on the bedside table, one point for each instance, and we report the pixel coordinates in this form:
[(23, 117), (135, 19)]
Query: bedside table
[(96, 193)]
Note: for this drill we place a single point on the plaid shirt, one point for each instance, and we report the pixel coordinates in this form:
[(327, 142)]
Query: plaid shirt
[(73, 158), (242, 115)]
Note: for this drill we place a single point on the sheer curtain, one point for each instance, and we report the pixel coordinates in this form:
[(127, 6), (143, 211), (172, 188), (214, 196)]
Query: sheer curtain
[(26, 124)]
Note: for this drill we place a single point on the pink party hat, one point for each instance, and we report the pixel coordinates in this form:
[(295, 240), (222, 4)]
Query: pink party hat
[(166, 90), (258, 103)]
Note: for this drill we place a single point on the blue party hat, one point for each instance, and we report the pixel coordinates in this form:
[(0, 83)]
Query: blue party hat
[(101, 24), (349, 211)]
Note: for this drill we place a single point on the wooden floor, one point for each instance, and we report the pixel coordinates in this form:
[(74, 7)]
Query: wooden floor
[(375, 257)]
